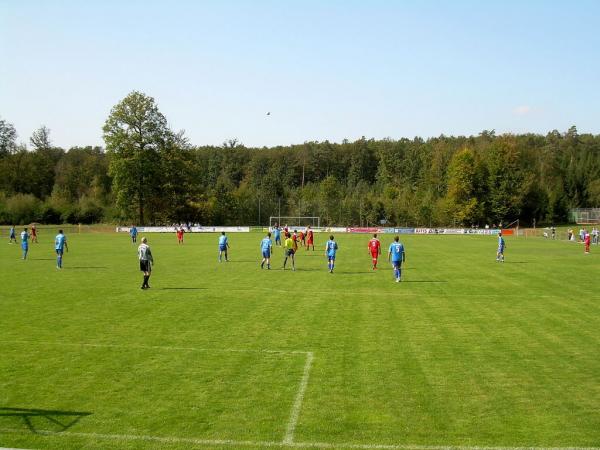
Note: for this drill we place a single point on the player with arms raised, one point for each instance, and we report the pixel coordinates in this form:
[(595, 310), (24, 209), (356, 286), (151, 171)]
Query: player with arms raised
[(374, 250), (397, 255)]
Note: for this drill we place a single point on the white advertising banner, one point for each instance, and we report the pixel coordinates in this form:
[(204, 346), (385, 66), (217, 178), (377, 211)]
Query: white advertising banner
[(191, 230)]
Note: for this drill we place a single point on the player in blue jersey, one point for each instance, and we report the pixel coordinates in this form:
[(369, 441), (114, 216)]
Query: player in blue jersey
[(331, 248), (266, 246), (397, 255), (25, 242), (277, 233), (11, 235), (60, 245), (133, 232), (501, 246), (223, 246)]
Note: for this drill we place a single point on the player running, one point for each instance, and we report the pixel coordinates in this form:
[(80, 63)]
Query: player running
[(310, 239), (277, 233), (33, 234), (11, 235), (133, 232), (266, 246), (331, 248), (288, 248), (501, 246), (24, 242), (374, 250), (146, 262), (223, 246), (397, 255), (60, 245), (180, 233)]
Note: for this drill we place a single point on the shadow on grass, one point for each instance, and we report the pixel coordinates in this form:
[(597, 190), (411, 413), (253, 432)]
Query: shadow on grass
[(85, 267), (346, 272), (42, 259), (61, 420), (424, 281), (241, 261), (183, 289)]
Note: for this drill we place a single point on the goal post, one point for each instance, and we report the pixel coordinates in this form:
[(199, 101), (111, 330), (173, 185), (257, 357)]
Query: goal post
[(295, 221)]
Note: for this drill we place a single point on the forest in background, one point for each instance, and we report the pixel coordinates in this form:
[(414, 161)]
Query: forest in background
[(149, 174)]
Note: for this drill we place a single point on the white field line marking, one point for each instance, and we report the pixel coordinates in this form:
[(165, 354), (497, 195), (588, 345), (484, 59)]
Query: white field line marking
[(11, 448), (234, 443), (160, 347), (291, 426)]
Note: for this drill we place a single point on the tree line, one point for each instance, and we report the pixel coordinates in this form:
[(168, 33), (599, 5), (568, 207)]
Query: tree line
[(150, 174)]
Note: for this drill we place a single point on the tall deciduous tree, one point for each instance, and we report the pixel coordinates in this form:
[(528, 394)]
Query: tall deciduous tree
[(135, 134), (462, 202), (40, 139), (8, 138)]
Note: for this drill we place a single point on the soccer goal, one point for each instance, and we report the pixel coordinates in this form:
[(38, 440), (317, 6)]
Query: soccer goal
[(295, 222)]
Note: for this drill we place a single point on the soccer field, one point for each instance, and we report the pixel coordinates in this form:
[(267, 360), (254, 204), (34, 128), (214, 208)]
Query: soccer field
[(465, 352)]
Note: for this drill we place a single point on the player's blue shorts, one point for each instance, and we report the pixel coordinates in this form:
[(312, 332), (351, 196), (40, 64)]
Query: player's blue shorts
[(396, 264), (266, 254), (330, 256), (25, 246), (500, 249), (59, 251), (222, 247)]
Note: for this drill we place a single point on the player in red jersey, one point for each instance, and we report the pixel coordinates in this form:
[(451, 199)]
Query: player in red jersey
[(33, 234), (587, 240), (374, 250), (302, 238), (180, 235), (309, 238), (295, 240)]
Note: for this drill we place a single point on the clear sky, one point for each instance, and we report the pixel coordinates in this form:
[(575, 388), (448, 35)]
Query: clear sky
[(325, 69)]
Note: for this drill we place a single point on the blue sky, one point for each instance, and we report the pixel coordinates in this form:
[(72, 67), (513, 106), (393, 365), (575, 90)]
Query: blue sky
[(324, 69)]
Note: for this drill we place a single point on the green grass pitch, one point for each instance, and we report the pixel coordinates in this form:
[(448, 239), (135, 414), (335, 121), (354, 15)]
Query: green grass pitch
[(464, 352)]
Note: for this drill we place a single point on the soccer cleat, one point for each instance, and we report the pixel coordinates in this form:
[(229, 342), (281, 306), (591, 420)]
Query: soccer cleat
[(397, 280)]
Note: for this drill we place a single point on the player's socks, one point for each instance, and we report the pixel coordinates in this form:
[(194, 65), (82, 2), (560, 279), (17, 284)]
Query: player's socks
[(262, 265)]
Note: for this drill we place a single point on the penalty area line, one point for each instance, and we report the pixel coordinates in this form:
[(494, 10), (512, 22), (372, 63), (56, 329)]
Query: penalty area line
[(234, 443), (157, 347), (297, 406)]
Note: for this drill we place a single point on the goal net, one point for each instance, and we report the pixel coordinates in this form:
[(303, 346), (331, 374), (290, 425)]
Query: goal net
[(295, 221)]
